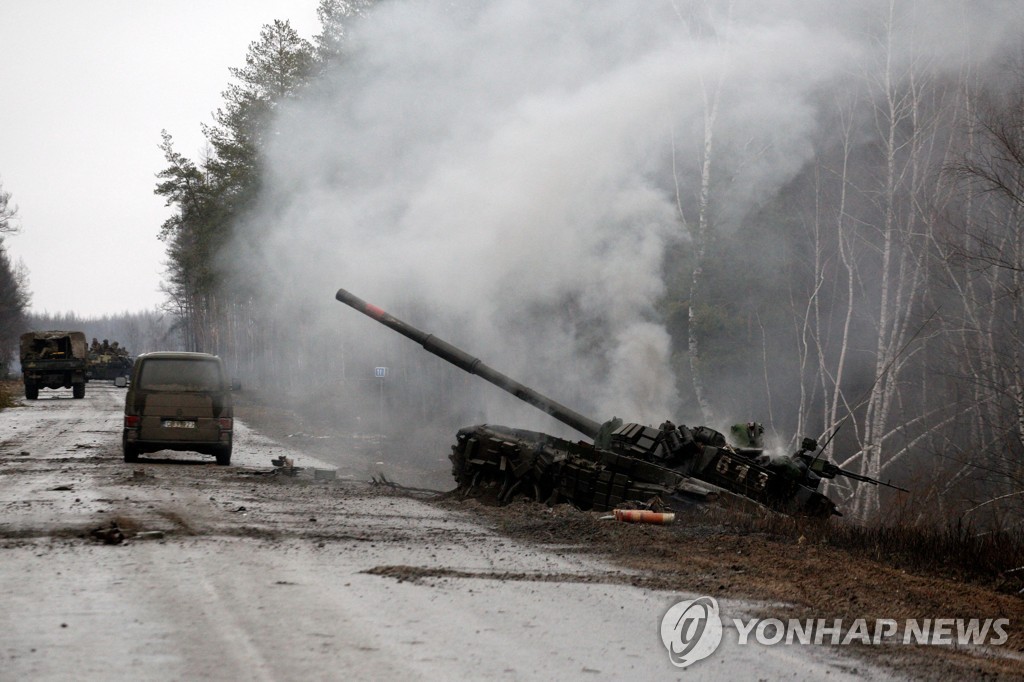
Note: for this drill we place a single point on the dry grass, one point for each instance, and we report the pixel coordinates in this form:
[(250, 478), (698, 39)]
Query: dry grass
[(9, 392), (953, 550)]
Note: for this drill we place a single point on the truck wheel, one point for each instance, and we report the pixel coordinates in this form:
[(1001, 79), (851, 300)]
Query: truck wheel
[(31, 391), (224, 456), (78, 390)]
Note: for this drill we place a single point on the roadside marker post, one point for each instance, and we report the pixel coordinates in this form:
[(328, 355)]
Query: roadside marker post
[(380, 373)]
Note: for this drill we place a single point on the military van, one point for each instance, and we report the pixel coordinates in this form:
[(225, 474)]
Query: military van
[(178, 401)]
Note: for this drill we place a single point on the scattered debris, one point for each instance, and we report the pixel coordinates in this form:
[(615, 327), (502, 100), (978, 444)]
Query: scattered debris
[(109, 535), (149, 535), (383, 481), (286, 465)]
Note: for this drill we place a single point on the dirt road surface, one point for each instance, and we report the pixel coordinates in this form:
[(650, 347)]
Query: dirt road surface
[(230, 573)]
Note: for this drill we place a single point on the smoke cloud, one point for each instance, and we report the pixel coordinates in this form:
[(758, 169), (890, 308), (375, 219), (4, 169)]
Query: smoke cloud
[(509, 175)]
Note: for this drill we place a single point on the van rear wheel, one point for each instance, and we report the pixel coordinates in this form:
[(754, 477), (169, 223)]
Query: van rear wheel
[(131, 453), (31, 391), (224, 456), (78, 390)]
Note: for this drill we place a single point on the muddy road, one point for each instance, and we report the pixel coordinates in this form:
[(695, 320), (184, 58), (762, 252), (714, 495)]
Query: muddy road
[(228, 573)]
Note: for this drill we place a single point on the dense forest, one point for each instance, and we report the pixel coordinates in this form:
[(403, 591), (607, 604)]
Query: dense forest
[(137, 332), (807, 215), (14, 293)]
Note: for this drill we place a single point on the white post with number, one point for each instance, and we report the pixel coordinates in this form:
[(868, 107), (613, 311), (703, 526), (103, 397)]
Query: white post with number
[(380, 373)]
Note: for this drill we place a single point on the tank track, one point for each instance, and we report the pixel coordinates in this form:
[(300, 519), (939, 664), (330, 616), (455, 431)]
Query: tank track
[(550, 469)]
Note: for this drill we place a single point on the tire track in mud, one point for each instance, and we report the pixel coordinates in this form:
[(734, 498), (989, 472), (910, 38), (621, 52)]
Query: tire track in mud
[(424, 574)]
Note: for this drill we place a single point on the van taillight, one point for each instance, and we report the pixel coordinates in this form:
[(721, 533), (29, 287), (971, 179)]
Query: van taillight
[(131, 422), (225, 424)]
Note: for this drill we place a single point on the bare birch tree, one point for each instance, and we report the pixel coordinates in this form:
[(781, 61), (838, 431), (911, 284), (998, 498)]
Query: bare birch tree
[(984, 258)]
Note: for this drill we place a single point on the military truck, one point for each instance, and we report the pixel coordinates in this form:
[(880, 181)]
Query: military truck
[(53, 359)]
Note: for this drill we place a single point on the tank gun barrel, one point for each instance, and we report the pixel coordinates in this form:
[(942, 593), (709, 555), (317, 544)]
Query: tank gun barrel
[(468, 363)]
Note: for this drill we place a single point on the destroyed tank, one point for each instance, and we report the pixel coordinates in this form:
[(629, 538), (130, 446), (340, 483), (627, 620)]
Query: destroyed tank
[(625, 462)]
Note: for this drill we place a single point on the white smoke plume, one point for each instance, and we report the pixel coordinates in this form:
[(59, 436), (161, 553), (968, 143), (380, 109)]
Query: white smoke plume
[(513, 170)]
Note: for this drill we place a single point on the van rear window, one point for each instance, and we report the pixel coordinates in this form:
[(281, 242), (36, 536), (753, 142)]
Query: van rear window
[(180, 375)]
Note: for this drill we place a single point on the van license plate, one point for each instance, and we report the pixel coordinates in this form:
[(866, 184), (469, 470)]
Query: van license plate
[(178, 424)]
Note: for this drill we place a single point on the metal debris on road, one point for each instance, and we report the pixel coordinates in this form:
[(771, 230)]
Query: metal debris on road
[(383, 481), (109, 535), (149, 535)]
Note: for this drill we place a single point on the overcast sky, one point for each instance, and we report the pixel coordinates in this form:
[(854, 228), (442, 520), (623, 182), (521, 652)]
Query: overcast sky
[(85, 89)]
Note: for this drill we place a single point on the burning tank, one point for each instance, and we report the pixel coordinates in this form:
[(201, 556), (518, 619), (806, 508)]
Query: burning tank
[(625, 461)]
